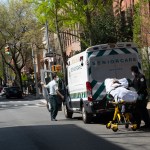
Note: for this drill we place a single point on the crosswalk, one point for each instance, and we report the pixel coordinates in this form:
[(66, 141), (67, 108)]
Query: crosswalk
[(11, 104)]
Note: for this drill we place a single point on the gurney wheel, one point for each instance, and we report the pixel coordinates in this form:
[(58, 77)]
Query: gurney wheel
[(134, 127), (115, 128), (126, 126), (108, 125)]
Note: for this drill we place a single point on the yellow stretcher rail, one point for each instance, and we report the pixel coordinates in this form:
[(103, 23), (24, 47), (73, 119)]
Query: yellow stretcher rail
[(121, 117)]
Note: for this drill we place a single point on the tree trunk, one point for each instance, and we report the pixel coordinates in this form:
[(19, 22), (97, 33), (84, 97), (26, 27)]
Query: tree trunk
[(89, 23), (60, 43), (4, 71), (18, 78)]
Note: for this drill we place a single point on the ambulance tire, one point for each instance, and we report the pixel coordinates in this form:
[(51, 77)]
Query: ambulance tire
[(85, 116), (67, 113)]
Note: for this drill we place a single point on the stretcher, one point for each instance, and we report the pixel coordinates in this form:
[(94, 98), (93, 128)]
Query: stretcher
[(122, 116)]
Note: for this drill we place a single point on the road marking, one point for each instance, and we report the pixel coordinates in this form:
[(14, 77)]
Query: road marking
[(3, 105), (25, 105)]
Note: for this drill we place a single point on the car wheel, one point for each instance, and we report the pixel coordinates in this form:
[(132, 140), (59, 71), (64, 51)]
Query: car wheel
[(85, 116), (20, 96), (67, 113)]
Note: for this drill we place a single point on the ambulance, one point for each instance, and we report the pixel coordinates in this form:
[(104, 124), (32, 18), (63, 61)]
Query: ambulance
[(87, 72)]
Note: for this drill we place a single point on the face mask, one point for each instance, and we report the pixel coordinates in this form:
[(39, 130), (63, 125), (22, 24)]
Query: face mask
[(133, 74), (57, 79)]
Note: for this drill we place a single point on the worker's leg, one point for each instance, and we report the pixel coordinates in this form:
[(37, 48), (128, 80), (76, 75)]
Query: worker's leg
[(144, 113), (137, 114), (52, 102), (55, 103)]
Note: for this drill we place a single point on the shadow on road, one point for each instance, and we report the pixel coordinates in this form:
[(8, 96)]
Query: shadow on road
[(101, 119), (52, 137)]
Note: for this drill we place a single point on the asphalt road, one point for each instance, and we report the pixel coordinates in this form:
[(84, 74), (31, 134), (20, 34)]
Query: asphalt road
[(26, 125)]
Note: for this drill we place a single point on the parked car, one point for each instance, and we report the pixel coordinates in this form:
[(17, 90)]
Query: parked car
[(13, 92)]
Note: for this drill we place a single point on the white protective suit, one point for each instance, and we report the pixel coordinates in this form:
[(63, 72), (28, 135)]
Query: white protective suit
[(119, 91)]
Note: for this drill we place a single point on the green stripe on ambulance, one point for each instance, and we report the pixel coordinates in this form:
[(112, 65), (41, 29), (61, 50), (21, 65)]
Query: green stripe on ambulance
[(78, 95)]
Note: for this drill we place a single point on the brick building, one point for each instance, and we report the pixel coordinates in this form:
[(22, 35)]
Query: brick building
[(144, 12)]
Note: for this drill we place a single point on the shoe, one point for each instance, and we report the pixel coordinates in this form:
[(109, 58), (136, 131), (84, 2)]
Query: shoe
[(53, 119), (145, 127)]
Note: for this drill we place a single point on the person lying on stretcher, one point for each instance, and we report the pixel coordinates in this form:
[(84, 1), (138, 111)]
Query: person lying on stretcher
[(118, 88)]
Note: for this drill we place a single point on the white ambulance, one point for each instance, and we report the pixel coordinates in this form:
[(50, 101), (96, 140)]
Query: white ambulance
[(86, 74)]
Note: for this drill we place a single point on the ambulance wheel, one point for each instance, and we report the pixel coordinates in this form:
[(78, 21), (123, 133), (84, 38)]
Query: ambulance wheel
[(134, 127), (85, 116), (67, 113)]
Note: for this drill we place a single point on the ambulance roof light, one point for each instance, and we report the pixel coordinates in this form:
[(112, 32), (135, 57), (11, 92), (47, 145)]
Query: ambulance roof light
[(128, 45), (120, 45), (111, 45), (81, 58), (95, 48), (104, 47)]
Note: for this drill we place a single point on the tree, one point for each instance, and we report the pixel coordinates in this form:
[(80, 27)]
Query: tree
[(84, 13), (62, 15), (142, 34), (16, 28), (49, 11), (123, 21), (104, 27), (95, 18)]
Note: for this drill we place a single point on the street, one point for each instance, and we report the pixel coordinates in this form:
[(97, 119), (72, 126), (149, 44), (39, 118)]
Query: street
[(26, 125)]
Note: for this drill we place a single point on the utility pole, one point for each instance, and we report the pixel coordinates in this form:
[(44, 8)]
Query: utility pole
[(35, 76), (49, 54)]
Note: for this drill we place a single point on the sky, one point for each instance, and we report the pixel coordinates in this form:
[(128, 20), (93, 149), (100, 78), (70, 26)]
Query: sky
[(3, 1)]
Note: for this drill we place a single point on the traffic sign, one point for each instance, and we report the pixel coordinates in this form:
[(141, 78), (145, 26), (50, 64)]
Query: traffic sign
[(56, 68)]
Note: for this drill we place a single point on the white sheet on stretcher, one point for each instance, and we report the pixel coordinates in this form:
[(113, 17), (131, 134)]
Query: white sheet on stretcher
[(119, 91)]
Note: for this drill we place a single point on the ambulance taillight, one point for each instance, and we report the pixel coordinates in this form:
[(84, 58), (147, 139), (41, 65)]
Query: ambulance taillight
[(89, 91)]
